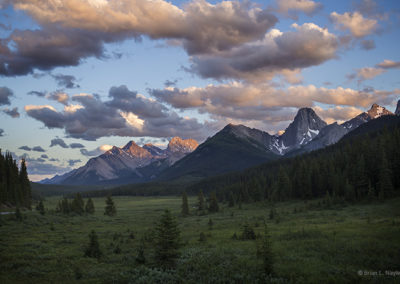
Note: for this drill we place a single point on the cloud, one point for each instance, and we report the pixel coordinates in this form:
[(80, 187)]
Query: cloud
[(169, 83), (96, 152), (5, 94), (26, 148), (39, 166), (1, 132), (12, 112), (265, 105), (355, 22), (59, 142), (66, 81), (337, 113), (308, 45), (38, 149), (71, 31), (389, 64), (76, 145), (73, 162), (126, 114), (59, 96), (37, 93), (367, 44), (368, 73), (44, 156), (290, 8)]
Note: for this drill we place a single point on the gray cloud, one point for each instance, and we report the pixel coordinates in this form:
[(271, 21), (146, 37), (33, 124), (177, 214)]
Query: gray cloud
[(1, 132), (73, 162), (44, 156), (66, 81), (290, 8), (38, 149), (368, 44), (70, 33), (76, 145), (26, 148), (5, 93), (40, 167), (59, 142), (127, 113), (37, 93), (59, 96), (12, 112), (95, 152), (278, 52)]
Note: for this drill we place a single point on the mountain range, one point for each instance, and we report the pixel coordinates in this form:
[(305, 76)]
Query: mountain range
[(235, 147)]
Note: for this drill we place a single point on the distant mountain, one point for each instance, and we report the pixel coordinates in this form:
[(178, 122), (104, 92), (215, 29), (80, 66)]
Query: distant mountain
[(374, 112), (126, 164), (235, 147)]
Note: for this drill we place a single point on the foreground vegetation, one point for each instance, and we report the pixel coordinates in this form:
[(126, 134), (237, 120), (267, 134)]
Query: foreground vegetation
[(312, 242)]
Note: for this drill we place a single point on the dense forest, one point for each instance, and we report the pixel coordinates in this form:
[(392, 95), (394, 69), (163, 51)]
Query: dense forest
[(364, 164), (15, 189)]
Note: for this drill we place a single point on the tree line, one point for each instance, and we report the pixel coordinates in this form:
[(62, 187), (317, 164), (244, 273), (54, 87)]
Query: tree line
[(365, 166), (15, 189)]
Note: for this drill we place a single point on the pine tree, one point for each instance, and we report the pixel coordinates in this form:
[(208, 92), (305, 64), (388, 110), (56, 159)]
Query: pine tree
[(25, 186), (213, 203), (185, 205), (93, 249), (77, 204), (40, 207), (200, 204), (89, 207), (265, 252), (110, 209), (167, 241)]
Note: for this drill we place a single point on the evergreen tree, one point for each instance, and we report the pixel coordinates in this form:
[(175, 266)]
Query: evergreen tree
[(200, 204), (185, 205), (265, 252), (284, 185), (89, 207), (25, 185), (93, 249), (385, 183), (213, 203), (40, 207), (167, 241), (77, 204), (110, 209), (18, 214)]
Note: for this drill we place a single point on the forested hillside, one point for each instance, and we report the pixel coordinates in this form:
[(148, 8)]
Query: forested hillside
[(15, 189), (364, 164)]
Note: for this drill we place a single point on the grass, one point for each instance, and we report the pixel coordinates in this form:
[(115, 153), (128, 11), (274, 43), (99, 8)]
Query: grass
[(310, 244)]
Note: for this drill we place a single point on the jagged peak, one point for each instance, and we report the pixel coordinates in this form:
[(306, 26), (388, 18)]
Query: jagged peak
[(376, 111), (177, 144)]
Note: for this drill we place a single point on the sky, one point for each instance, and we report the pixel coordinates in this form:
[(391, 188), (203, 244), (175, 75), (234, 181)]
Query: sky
[(78, 76)]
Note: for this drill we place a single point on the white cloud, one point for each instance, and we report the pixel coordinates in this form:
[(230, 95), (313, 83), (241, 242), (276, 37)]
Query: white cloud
[(355, 23)]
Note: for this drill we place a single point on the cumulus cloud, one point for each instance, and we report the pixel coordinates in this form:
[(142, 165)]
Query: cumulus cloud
[(96, 152), (355, 22), (389, 64), (126, 113), (337, 113), (38, 149), (263, 103), (5, 94), (76, 145), (368, 73), (26, 148), (39, 166), (59, 96), (71, 31), (37, 93), (65, 81), (73, 162), (277, 52), (59, 142), (12, 112), (290, 8)]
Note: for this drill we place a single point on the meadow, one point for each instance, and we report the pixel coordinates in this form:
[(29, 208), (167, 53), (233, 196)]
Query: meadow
[(311, 243)]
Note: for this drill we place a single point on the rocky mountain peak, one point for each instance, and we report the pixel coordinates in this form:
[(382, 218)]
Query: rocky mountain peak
[(305, 126), (376, 111), (154, 150), (178, 144), (135, 150), (397, 112)]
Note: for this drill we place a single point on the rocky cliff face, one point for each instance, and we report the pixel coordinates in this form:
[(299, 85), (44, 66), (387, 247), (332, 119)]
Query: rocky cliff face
[(397, 112)]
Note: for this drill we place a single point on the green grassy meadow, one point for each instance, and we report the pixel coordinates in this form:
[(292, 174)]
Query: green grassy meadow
[(311, 244)]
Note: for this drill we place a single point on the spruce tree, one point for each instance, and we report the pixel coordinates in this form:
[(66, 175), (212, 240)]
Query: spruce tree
[(40, 207), (185, 205), (77, 204), (25, 186), (167, 241), (265, 252), (93, 248), (89, 207), (200, 204), (213, 203), (110, 209)]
